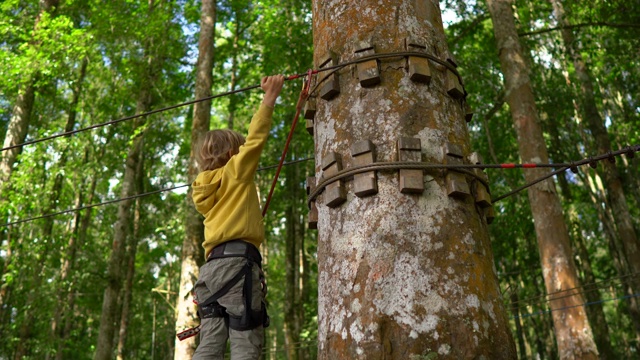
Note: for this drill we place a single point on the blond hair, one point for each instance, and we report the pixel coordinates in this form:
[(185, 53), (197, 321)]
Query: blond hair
[(217, 147)]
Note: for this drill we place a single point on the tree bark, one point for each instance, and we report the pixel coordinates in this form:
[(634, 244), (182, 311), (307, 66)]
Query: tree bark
[(21, 114), (81, 223), (595, 311), (132, 248), (294, 268), (122, 228), (573, 333), (192, 252), (522, 349), (400, 275), (614, 189), (17, 131)]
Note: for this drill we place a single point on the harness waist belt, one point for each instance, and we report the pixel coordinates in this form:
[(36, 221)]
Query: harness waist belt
[(234, 248)]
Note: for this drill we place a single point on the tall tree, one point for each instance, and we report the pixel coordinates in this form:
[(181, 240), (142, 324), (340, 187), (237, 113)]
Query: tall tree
[(21, 114), (572, 329), (399, 277), (192, 253), (602, 144), (122, 231), (109, 320)]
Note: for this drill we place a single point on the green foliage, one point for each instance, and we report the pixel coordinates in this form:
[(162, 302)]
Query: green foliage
[(118, 40)]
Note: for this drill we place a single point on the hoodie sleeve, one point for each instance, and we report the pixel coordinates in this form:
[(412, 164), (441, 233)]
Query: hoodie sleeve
[(243, 165)]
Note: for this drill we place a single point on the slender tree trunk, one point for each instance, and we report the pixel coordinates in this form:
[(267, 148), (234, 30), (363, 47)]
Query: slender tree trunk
[(292, 305), (572, 330), (25, 331), (122, 228), (16, 134), (82, 223), (304, 288), (17, 131), (192, 253), (128, 289), (595, 124), (542, 324), (401, 275), (21, 114), (592, 295), (522, 349), (233, 99), (71, 248), (132, 248)]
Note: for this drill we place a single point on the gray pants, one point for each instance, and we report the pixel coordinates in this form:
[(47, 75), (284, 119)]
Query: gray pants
[(214, 333)]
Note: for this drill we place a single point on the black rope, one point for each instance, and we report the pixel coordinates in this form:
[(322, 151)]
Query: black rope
[(378, 166), (292, 77), (602, 284), (575, 306), (394, 165), (127, 198)]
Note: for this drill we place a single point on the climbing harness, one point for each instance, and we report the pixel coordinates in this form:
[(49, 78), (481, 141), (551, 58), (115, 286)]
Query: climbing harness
[(211, 308)]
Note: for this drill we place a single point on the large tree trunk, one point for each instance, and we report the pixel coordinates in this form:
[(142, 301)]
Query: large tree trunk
[(572, 330), (615, 192), (400, 275), (192, 253)]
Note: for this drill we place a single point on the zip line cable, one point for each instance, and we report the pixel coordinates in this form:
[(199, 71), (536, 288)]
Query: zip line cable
[(291, 77), (599, 283), (346, 172), (377, 166), (574, 306), (582, 291), (127, 198), (393, 165)]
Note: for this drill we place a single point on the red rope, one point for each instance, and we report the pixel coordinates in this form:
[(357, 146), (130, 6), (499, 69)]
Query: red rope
[(304, 94)]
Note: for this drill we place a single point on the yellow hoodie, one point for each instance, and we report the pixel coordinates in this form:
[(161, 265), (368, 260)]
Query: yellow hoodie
[(227, 196)]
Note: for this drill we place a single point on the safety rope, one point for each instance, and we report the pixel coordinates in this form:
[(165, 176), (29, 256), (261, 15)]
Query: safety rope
[(304, 94)]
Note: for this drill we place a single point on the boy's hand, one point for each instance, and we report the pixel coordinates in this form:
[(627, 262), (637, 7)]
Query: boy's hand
[(272, 85)]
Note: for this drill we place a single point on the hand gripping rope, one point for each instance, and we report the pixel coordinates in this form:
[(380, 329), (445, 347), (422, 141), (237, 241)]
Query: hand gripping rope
[(304, 94)]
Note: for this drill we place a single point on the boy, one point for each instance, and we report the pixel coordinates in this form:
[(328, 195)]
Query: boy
[(229, 289)]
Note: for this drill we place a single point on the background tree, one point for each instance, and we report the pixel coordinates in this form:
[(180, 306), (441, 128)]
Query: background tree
[(574, 337), (192, 253)]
